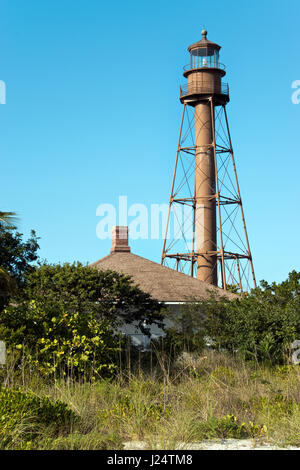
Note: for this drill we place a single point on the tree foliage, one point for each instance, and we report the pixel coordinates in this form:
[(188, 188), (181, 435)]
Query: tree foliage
[(185, 333), (66, 316), (106, 294), (16, 260), (261, 324), (58, 342)]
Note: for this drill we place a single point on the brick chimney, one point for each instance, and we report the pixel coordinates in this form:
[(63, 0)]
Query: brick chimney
[(120, 239)]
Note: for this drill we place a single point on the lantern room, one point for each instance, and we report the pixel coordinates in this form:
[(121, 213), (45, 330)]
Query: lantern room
[(204, 54)]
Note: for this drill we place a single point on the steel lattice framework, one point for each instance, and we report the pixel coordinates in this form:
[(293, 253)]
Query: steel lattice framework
[(232, 253)]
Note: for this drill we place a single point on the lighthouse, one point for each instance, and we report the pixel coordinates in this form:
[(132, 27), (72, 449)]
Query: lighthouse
[(205, 181)]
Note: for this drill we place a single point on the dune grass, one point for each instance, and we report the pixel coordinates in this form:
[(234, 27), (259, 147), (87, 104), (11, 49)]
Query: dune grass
[(196, 397)]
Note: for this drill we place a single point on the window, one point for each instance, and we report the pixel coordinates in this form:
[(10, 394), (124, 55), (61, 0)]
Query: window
[(204, 57)]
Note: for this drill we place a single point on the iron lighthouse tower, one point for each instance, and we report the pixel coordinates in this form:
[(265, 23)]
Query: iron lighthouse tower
[(209, 238)]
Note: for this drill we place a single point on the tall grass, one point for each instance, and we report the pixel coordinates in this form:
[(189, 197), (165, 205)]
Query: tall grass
[(165, 402)]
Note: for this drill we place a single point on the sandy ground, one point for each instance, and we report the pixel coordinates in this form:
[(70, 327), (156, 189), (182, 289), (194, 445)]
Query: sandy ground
[(227, 444)]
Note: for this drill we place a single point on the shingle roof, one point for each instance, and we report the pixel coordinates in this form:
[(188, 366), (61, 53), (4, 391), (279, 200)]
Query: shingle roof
[(162, 283)]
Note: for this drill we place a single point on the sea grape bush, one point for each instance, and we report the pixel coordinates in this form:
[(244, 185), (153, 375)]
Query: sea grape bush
[(61, 345)]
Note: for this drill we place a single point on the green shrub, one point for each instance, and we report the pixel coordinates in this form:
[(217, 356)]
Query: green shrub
[(187, 333), (228, 427), (108, 294), (63, 344), (261, 325), (65, 318), (24, 416)]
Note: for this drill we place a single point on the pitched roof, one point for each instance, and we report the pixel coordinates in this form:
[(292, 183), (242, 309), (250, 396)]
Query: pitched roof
[(162, 283)]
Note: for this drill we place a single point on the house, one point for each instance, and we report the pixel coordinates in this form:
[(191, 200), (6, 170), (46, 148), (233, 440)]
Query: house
[(164, 284)]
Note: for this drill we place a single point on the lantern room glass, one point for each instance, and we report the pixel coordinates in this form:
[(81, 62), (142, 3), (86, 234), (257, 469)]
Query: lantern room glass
[(205, 57)]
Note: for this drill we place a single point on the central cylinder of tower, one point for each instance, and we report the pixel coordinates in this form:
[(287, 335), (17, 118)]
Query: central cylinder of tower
[(205, 194), (204, 91)]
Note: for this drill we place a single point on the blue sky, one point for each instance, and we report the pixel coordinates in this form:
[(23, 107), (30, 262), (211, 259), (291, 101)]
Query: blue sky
[(92, 113)]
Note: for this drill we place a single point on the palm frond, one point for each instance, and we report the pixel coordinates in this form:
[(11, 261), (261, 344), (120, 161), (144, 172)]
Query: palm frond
[(9, 218)]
